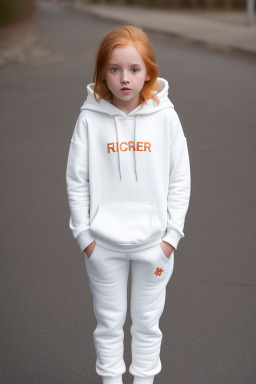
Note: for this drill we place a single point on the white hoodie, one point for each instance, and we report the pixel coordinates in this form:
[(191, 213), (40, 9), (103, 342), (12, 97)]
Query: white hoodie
[(128, 175)]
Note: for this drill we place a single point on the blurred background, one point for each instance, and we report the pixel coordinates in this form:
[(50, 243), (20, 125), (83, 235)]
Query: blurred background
[(15, 10), (206, 49), (20, 9)]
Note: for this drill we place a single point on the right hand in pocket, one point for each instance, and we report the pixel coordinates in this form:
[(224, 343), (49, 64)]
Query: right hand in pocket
[(89, 250)]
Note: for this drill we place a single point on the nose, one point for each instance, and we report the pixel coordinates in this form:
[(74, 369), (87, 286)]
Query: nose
[(124, 78)]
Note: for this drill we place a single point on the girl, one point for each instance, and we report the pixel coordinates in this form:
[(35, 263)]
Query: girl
[(128, 187)]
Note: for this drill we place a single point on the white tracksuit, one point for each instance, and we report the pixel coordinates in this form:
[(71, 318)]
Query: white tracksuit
[(128, 186)]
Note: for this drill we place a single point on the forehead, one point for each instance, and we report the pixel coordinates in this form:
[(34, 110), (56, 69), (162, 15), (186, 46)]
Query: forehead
[(126, 54)]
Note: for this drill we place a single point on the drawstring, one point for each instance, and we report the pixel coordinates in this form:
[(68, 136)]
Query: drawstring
[(135, 145), (119, 157)]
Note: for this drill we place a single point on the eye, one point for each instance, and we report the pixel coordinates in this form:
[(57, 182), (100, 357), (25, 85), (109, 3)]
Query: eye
[(111, 69), (135, 70)]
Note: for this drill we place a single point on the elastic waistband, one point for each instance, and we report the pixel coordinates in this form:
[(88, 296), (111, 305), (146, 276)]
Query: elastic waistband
[(130, 248)]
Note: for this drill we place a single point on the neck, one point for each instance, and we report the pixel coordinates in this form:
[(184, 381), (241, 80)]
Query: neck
[(126, 106)]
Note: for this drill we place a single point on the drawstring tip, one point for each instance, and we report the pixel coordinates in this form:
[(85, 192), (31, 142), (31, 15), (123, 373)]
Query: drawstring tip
[(136, 177), (120, 176)]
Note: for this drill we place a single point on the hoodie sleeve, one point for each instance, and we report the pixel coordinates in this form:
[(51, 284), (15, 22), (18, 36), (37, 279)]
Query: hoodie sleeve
[(179, 183), (77, 183)]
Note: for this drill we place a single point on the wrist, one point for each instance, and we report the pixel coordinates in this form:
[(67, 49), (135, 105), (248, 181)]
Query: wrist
[(169, 245)]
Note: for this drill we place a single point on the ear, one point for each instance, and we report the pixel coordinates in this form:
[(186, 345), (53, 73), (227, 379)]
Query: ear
[(148, 78)]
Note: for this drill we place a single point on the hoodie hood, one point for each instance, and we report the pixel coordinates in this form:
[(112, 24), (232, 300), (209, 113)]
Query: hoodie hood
[(106, 107)]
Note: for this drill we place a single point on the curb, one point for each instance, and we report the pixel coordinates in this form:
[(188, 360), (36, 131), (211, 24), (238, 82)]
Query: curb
[(178, 38)]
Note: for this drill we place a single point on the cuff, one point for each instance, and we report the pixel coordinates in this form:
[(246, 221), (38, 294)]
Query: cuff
[(84, 239), (172, 237)]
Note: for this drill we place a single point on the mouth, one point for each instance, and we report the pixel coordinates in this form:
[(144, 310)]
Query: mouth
[(126, 90)]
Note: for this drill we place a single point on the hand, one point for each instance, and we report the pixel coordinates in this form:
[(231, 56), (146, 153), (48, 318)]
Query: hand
[(167, 248), (89, 250)]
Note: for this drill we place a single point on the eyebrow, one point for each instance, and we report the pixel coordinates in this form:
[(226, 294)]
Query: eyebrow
[(138, 65)]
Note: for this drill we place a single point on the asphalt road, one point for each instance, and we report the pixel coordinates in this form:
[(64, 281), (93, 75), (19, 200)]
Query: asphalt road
[(47, 318)]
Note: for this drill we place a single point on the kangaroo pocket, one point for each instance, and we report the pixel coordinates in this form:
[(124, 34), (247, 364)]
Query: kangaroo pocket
[(126, 224)]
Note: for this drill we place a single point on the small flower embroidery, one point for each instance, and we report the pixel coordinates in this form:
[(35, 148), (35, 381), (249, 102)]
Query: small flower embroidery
[(158, 271)]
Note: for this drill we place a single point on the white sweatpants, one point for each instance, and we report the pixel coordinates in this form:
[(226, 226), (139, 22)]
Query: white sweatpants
[(108, 276)]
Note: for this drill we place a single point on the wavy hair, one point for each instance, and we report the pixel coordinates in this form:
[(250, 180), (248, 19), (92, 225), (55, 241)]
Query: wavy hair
[(122, 36)]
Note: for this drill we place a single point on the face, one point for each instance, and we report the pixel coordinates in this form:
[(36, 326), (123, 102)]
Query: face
[(125, 77)]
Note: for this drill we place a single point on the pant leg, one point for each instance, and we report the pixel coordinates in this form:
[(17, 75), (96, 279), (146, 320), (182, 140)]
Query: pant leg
[(151, 270), (108, 273)]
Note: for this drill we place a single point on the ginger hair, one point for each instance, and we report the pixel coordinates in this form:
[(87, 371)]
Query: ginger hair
[(122, 36)]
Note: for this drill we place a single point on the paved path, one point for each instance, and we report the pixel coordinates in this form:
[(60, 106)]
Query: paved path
[(224, 30)]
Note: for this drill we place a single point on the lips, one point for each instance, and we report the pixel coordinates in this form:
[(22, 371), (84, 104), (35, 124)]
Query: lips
[(125, 89)]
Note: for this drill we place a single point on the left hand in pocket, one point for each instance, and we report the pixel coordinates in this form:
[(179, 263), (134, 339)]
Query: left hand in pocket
[(167, 248)]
